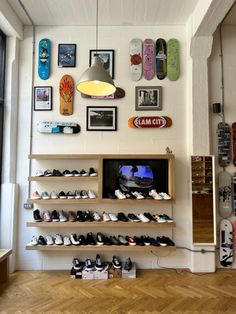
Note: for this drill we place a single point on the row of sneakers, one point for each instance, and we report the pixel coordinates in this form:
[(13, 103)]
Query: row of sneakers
[(99, 265), (66, 173), (140, 196), (77, 194), (83, 216), (101, 239)]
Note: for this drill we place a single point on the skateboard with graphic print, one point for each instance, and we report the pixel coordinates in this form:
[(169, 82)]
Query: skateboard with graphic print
[(173, 66), (226, 243), (234, 142), (161, 58), (66, 95), (55, 127), (148, 59), (149, 122), (225, 194), (224, 144), (44, 56), (136, 65)]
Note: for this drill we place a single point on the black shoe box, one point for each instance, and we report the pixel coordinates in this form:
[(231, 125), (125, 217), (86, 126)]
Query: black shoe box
[(75, 274)]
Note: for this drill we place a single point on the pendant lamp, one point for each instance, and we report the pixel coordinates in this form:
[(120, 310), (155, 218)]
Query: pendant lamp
[(96, 81)]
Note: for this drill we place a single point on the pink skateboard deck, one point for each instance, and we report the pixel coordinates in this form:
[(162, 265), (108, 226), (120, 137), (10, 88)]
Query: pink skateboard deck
[(149, 59)]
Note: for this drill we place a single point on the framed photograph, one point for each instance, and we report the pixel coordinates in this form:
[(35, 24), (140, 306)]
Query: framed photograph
[(148, 98), (42, 98), (101, 118), (107, 57), (66, 55)]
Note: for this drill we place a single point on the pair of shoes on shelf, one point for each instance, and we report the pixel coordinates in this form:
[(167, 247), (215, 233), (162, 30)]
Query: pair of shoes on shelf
[(133, 195), (159, 196), (109, 217)]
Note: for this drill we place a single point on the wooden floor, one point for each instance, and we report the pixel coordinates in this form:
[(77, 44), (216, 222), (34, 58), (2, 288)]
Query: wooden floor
[(154, 291)]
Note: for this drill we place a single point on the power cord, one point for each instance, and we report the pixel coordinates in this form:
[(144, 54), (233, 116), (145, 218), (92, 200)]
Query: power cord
[(203, 251)]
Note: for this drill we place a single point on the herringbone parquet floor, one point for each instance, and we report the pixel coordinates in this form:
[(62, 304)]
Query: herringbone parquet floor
[(154, 291)]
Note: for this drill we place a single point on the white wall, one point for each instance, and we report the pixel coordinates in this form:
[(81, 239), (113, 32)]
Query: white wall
[(125, 140)]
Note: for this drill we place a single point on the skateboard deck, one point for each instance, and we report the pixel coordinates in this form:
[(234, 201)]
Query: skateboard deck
[(149, 59), (234, 142), (173, 67), (225, 194), (226, 243), (44, 59), (119, 93), (66, 95), (234, 185), (224, 145), (234, 227), (58, 127), (136, 52), (161, 59), (149, 122)]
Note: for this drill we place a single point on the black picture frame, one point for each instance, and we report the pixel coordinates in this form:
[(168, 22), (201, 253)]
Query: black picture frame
[(42, 98), (101, 118), (108, 57), (66, 55), (148, 98)]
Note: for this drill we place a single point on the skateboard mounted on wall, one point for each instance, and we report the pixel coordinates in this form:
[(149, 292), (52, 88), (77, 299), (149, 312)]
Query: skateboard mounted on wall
[(148, 59), (161, 59), (66, 95), (224, 144), (44, 56), (234, 142), (226, 243), (58, 127), (136, 52), (173, 67), (149, 122), (119, 93), (225, 194)]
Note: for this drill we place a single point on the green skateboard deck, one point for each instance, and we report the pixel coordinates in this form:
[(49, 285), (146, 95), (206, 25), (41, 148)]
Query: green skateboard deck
[(173, 67)]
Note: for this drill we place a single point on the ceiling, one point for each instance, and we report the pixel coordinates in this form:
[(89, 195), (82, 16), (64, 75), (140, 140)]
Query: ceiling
[(111, 12)]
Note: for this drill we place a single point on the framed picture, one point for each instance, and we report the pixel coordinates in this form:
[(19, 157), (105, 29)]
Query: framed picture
[(101, 118), (107, 57), (148, 98), (42, 98), (66, 55)]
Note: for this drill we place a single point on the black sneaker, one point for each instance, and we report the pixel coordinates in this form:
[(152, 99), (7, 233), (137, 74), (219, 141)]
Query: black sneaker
[(36, 215), (56, 173), (67, 173), (161, 241), (150, 217), (139, 241), (115, 262), (92, 172), (77, 264), (55, 216), (133, 218), (82, 240), (153, 242), (84, 194), (98, 264), (84, 173), (121, 216), (41, 240), (168, 241), (114, 240), (88, 264), (80, 216), (62, 195), (88, 216), (128, 264), (107, 241), (48, 173), (90, 239), (100, 238), (146, 240), (75, 173)]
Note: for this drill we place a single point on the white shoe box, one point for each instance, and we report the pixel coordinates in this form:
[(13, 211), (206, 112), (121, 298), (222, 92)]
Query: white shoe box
[(101, 274), (88, 274), (129, 274)]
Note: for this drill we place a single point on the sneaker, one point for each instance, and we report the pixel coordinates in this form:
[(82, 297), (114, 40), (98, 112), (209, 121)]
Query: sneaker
[(66, 241), (122, 240), (88, 216), (84, 173), (96, 216), (143, 218), (36, 215), (84, 194), (161, 241), (128, 264), (58, 239), (48, 173), (90, 239), (49, 240), (156, 196), (62, 195), (130, 240), (77, 264), (92, 172), (121, 216), (91, 194), (34, 241), (82, 240), (36, 196), (70, 195), (113, 217), (166, 218), (120, 195), (138, 195), (159, 219), (130, 196), (62, 216), (98, 264), (53, 195), (165, 196), (41, 240), (71, 216), (133, 218), (100, 238), (56, 173), (67, 173), (46, 216), (74, 240), (115, 262), (77, 194), (45, 196), (39, 173), (146, 240), (80, 216), (55, 216), (153, 242), (168, 241), (106, 217), (139, 241), (114, 240), (149, 216), (107, 241), (88, 264), (75, 173)]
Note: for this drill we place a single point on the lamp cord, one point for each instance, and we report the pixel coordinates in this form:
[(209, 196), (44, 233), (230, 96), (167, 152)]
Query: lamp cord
[(97, 26)]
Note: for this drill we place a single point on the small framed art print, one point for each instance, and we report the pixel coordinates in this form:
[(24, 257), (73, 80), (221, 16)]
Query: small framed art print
[(43, 98), (66, 55), (107, 57), (148, 98), (101, 118)]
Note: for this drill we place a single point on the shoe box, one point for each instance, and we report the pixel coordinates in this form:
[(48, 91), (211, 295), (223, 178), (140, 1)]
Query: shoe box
[(75, 274), (114, 273), (101, 274), (131, 274), (88, 274)]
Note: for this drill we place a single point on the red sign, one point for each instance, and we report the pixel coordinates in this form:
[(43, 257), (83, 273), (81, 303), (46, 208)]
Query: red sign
[(149, 122)]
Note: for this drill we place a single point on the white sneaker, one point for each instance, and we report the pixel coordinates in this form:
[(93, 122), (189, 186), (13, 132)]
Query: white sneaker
[(58, 239), (96, 216), (143, 218), (113, 217), (46, 216), (54, 195), (106, 217), (36, 195), (77, 194), (66, 241), (49, 240), (120, 195), (34, 241), (62, 216), (138, 195), (74, 240), (165, 196), (39, 173), (159, 219), (91, 194), (45, 196), (153, 193)]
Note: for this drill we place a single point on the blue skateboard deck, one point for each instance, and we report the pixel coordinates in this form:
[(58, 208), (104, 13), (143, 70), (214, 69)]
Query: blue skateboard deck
[(161, 59), (44, 59)]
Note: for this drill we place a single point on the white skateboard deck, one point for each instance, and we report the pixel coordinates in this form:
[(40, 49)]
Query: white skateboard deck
[(226, 243), (136, 60), (225, 194)]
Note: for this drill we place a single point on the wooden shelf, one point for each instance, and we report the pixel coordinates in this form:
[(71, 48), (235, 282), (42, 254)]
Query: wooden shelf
[(132, 202), (91, 156), (102, 224), (63, 201), (101, 248), (62, 179)]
